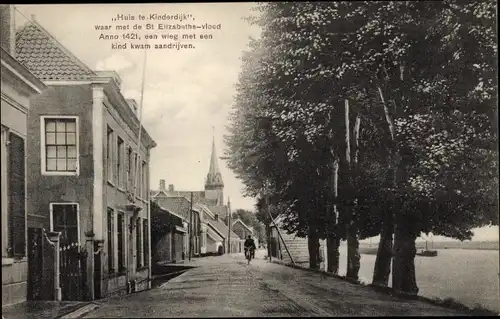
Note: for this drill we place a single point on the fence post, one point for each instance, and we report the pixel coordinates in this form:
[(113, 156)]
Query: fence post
[(54, 238), (89, 243)]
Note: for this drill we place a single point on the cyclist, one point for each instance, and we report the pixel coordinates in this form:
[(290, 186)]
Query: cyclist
[(250, 245)]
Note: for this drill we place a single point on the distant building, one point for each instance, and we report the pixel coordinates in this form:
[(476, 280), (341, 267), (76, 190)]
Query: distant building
[(168, 236), (18, 86), (208, 208), (88, 172), (243, 231)]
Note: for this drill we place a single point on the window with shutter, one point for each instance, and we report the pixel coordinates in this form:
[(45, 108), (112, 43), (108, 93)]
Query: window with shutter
[(129, 169), (16, 196), (145, 242), (138, 243), (119, 162), (144, 180), (111, 239), (109, 155), (120, 232)]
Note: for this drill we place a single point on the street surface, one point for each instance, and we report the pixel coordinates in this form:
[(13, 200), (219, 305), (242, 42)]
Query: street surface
[(226, 286)]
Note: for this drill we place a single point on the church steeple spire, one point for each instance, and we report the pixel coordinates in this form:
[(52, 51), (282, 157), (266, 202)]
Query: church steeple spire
[(214, 177)]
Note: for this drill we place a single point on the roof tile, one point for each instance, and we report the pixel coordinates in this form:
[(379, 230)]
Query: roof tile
[(45, 57)]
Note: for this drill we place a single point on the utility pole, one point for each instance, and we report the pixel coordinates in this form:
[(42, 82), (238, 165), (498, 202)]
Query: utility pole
[(268, 227), (229, 219), (191, 226)]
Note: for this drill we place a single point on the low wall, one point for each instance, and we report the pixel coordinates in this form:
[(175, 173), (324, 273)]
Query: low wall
[(14, 281)]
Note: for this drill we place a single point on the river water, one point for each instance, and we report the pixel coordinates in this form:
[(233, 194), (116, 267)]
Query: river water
[(468, 276)]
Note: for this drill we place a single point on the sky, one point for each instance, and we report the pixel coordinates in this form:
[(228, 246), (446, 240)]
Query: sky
[(187, 94)]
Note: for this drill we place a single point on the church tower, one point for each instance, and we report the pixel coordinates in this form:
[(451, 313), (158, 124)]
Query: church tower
[(214, 186)]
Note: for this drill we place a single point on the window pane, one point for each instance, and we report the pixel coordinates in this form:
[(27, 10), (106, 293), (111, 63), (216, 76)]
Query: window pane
[(71, 152), (58, 216), (61, 127), (71, 138), (50, 126), (71, 126), (61, 165), (72, 234), (71, 164), (61, 140), (50, 138), (71, 215), (61, 151), (51, 152), (51, 164)]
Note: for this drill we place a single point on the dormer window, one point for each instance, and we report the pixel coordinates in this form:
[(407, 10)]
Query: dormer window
[(216, 217)]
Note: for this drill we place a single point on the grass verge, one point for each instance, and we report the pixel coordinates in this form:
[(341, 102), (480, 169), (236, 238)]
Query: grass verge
[(449, 303)]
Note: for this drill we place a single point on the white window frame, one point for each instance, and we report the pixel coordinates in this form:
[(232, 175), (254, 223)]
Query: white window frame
[(130, 169), (140, 186), (77, 216), (114, 248), (43, 146), (141, 244), (124, 240), (121, 172), (144, 168), (110, 167)]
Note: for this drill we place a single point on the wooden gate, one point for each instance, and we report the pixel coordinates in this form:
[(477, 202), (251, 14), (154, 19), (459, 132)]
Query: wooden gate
[(35, 264), (73, 262)]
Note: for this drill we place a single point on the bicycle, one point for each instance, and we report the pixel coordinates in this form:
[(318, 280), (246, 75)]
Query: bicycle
[(248, 255)]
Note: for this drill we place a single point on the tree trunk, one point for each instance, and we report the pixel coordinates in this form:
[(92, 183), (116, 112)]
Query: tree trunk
[(313, 247), (268, 232), (403, 266), (403, 279), (382, 268), (353, 256), (332, 240)]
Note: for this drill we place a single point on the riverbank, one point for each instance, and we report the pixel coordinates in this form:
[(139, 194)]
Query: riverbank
[(448, 303), (472, 245), (468, 276)]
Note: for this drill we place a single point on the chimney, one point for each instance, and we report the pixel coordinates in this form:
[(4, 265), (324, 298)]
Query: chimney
[(162, 185), (8, 29), (171, 187), (216, 217)]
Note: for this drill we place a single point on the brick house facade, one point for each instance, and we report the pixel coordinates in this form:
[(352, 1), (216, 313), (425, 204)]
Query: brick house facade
[(87, 173)]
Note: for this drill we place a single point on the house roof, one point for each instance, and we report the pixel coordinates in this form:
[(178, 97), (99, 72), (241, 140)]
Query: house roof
[(198, 196), (212, 230), (242, 223), (222, 228), (219, 210), (179, 205), (46, 57), (30, 80), (164, 212)]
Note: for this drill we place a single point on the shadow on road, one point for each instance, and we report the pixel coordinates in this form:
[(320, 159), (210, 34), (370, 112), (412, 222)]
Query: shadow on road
[(164, 273)]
